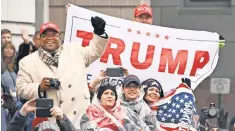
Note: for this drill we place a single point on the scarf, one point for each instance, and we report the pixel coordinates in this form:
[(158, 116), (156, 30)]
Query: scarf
[(50, 58), (138, 106)]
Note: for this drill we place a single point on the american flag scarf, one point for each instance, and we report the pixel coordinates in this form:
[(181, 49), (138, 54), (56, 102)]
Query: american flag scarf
[(176, 111)]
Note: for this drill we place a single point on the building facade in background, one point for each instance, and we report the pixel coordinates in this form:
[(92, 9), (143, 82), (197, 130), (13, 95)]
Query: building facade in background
[(28, 14)]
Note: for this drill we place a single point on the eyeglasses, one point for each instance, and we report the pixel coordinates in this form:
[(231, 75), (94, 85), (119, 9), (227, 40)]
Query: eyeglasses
[(49, 35)]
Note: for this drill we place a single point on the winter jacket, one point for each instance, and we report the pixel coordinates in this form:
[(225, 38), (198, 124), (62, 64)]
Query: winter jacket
[(118, 118), (24, 50), (143, 110), (18, 123)]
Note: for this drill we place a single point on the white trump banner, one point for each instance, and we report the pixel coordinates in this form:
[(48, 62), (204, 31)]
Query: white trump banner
[(148, 51)]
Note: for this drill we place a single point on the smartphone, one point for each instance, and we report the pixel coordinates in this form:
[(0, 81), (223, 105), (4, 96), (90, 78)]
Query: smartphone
[(114, 72), (43, 107)]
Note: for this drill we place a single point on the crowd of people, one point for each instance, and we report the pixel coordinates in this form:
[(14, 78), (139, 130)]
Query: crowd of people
[(27, 75)]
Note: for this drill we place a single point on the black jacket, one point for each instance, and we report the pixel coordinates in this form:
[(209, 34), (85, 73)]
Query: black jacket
[(23, 51), (18, 123)]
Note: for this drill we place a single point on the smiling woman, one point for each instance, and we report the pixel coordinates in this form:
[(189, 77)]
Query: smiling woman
[(108, 114), (8, 75), (152, 90), (8, 56)]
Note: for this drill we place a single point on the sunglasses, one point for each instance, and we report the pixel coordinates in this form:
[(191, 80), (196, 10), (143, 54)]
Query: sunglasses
[(47, 35)]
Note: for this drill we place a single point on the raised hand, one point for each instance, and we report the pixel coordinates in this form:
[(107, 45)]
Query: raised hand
[(125, 71), (186, 81), (25, 35), (57, 113), (67, 7), (221, 41), (28, 107), (98, 25), (222, 120), (102, 76)]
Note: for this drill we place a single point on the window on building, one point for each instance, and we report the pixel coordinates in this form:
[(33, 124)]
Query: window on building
[(207, 3), (209, 0)]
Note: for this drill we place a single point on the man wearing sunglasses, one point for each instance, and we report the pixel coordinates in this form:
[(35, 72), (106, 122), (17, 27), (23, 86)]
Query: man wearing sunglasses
[(133, 98), (58, 72)]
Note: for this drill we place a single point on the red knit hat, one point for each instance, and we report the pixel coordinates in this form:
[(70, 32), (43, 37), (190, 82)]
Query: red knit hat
[(38, 120)]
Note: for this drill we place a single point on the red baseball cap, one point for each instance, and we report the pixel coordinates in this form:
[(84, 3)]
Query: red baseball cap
[(141, 9), (49, 25)]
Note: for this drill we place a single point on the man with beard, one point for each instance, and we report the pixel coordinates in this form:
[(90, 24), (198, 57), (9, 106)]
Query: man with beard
[(56, 70)]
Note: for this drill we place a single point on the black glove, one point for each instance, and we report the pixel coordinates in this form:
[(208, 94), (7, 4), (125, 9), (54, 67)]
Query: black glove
[(98, 25), (221, 37), (222, 120), (186, 81)]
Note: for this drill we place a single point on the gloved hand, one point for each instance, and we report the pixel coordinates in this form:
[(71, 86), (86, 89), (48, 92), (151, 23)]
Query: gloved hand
[(98, 25), (186, 81), (221, 41), (222, 120)]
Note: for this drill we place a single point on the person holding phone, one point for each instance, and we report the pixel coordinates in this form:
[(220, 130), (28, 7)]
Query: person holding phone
[(104, 75), (18, 122)]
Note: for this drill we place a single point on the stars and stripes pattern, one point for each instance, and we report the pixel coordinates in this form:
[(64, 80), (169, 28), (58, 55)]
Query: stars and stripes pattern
[(176, 109)]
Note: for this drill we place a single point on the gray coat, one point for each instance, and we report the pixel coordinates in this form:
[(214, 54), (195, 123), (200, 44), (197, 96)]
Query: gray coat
[(143, 110)]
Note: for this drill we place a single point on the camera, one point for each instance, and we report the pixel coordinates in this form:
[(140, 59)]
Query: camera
[(54, 83), (210, 113), (213, 113)]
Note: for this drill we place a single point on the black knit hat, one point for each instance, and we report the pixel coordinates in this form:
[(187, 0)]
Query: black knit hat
[(152, 83), (103, 88)]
